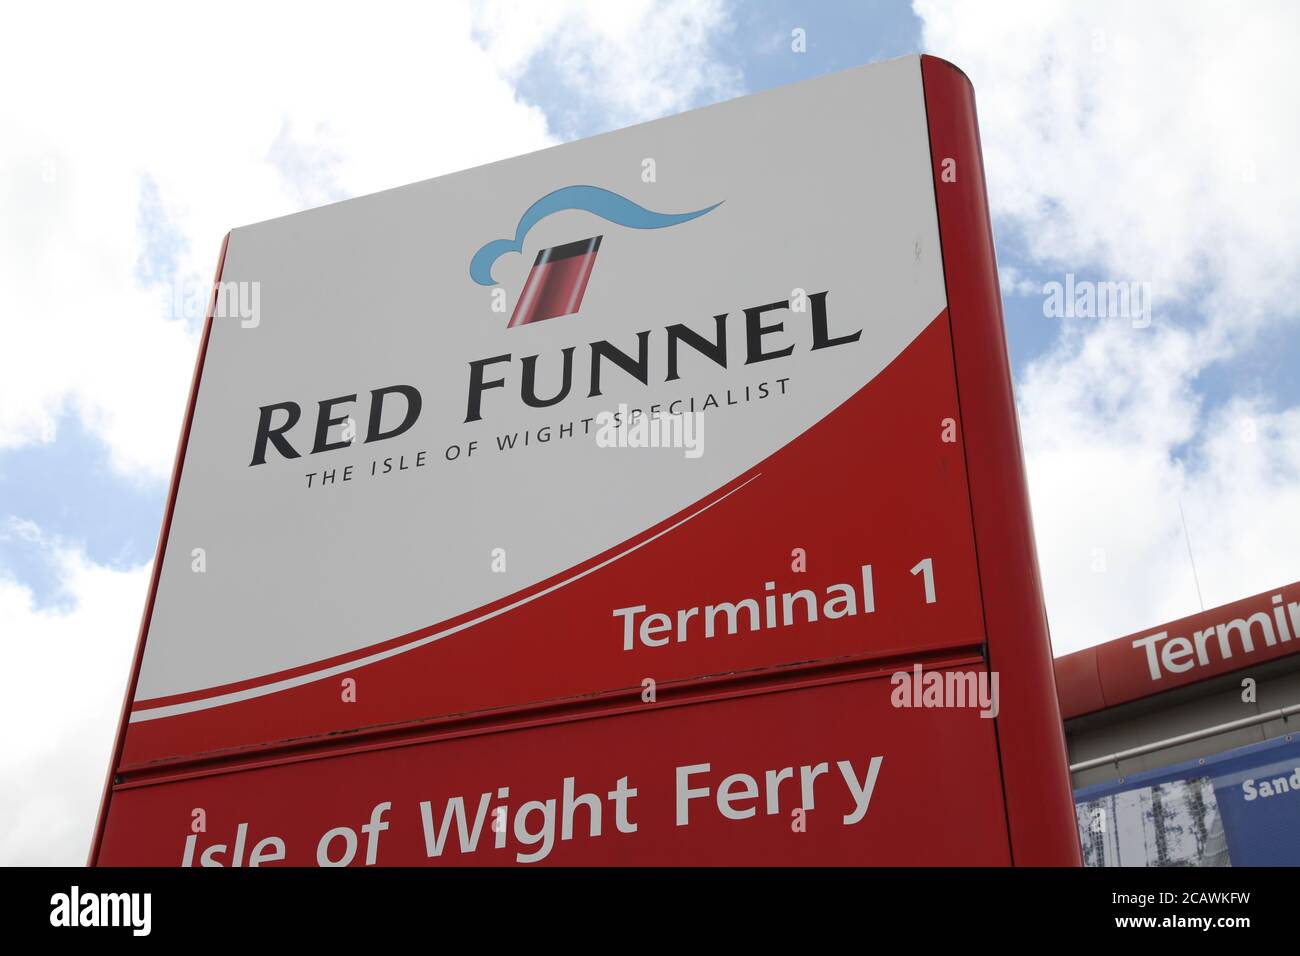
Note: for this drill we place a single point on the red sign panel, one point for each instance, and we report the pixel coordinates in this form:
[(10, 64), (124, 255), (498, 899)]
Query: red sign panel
[(822, 775)]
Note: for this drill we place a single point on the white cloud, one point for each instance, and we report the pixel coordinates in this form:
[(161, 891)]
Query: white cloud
[(1015, 282), (1150, 143), (1151, 139), (67, 669), (1117, 438), (636, 59), (237, 113)]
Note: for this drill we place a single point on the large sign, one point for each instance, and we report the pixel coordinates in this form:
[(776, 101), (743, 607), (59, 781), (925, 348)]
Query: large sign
[(680, 412)]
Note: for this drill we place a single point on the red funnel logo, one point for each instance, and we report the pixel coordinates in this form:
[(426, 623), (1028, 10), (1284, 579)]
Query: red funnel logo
[(559, 277), (557, 281)]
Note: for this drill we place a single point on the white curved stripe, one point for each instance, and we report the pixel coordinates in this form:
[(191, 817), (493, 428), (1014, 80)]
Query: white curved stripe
[(171, 710)]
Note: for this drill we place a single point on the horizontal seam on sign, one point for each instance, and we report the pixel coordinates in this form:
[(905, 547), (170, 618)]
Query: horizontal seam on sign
[(697, 692), (171, 710)]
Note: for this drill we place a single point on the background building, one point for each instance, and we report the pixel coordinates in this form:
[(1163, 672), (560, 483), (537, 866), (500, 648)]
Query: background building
[(1183, 738)]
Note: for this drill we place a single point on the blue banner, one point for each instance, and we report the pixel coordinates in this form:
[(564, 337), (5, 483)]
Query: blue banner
[(1237, 808)]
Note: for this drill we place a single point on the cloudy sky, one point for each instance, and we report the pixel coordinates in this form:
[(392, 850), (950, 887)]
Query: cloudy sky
[(1150, 143)]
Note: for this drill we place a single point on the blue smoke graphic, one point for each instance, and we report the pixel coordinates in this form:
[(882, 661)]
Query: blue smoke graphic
[(599, 202)]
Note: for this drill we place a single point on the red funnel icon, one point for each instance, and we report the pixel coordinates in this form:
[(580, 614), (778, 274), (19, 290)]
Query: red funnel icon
[(557, 282)]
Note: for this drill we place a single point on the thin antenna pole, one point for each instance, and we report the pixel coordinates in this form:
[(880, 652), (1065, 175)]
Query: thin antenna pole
[(1190, 557)]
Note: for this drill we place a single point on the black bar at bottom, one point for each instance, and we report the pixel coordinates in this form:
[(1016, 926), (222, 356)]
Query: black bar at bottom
[(601, 908)]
